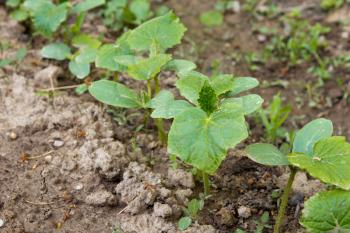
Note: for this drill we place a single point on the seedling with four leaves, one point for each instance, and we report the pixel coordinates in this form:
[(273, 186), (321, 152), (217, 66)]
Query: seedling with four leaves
[(323, 156)]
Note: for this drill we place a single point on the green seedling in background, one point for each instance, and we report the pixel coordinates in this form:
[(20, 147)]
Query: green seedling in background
[(320, 154), (191, 212), (17, 58), (210, 122), (47, 17), (273, 118)]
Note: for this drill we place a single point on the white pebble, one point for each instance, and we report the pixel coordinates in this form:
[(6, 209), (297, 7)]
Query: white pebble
[(1, 222)]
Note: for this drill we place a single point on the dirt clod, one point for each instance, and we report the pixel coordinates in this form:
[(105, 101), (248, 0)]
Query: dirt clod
[(101, 198), (180, 177), (162, 210), (244, 212)]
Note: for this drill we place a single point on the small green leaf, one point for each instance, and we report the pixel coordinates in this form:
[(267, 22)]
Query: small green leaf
[(86, 55), (311, 133), (249, 103), (81, 89), (13, 3), (140, 9), (166, 107), (180, 66), (242, 84), (190, 84), (327, 211), (80, 70), (212, 18), (329, 162), (208, 100), (222, 83), (19, 15), (21, 54), (166, 31), (57, 51), (5, 62), (202, 141), (105, 58), (48, 17), (184, 223), (115, 94), (83, 40), (87, 5), (266, 154), (193, 207), (148, 68)]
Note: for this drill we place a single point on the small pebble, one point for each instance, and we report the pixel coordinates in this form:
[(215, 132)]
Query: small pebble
[(58, 143), (244, 212), (345, 35), (261, 38), (79, 186), (48, 158), (1, 222), (13, 135)]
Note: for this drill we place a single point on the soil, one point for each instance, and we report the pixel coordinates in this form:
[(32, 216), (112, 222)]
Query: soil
[(67, 166)]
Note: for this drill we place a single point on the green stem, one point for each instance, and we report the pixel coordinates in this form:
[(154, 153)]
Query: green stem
[(206, 184), (149, 89), (284, 200), (159, 122)]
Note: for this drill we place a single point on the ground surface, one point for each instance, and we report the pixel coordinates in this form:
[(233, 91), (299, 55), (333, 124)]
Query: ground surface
[(66, 166)]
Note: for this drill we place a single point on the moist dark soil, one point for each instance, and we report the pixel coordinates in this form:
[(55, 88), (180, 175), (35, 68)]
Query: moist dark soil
[(68, 165)]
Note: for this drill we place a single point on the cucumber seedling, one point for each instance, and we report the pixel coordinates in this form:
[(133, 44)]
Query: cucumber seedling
[(141, 54), (315, 151), (210, 122)]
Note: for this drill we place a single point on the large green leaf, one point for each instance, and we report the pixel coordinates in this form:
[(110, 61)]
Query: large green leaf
[(106, 58), (48, 17), (190, 84), (202, 141), (249, 103), (329, 162), (222, 83), (243, 84), (165, 106), (266, 154), (87, 55), (327, 211), (114, 93), (164, 31), (80, 70), (57, 51), (148, 68), (311, 133), (87, 5), (140, 9)]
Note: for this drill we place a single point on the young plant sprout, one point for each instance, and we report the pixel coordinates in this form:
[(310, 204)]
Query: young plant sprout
[(140, 53), (317, 152), (210, 122)]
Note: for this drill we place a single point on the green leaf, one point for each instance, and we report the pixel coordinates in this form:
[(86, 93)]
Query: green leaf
[(86, 55), (208, 100), (105, 58), (83, 40), (266, 154), (5, 62), (329, 162), (21, 54), (140, 9), (48, 17), (194, 206), (311, 133), (180, 66), (81, 89), (13, 3), (222, 83), (148, 68), (242, 84), (80, 70), (190, 84), (115, 94), (327, 211), (19, 15), (87, 5), (249, 103), (57, 51), (202, 141), (166, 31), (166, 107), (32, 5), (212, 18), (184, 223)]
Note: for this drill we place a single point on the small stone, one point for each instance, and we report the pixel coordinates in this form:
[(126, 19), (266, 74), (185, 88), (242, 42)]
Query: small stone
[(345, 35), (58, 143), (225, 216), (79, 186), (2, 222), (261, 38), (244, 212), (162, 210), (101, 198), (13, 135), (48, 158)]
